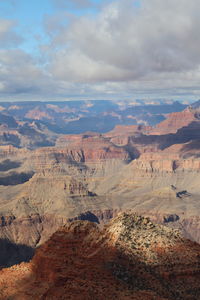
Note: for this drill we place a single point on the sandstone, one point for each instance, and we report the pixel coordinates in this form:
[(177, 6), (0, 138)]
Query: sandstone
[(91, 148)]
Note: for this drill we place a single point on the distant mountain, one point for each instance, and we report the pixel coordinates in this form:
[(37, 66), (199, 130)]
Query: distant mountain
[(35, 124), (195, 105)]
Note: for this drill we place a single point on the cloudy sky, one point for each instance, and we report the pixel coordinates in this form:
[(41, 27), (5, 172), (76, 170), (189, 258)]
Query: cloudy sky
[(99, 49)]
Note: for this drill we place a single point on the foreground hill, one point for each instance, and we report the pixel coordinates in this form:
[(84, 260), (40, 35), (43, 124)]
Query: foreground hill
[(131, 258)]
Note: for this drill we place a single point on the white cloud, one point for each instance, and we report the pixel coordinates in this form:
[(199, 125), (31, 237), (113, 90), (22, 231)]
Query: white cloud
[(19, 73), (8, 37), (122, 44)]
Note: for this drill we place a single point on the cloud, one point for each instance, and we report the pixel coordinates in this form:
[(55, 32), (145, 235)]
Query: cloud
[(123, 43), (8, 36), (123, 50), (20, 74), (23, 77)]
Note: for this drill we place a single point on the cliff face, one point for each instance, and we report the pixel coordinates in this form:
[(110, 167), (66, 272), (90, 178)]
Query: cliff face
[(174, 122), (131, 258), (91, 147), (162, 162)]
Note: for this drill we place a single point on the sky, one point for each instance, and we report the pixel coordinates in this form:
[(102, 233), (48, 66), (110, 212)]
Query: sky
[(99, 49)]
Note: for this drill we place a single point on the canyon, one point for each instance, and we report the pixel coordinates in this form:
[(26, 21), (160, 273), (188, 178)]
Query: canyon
[(150, 170)]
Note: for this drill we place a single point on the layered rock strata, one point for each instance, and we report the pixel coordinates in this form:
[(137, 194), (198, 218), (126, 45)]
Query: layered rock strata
[(102, 174)]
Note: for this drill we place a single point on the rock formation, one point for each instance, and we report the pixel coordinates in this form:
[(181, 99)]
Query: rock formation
[(174, 122), (130, 258)]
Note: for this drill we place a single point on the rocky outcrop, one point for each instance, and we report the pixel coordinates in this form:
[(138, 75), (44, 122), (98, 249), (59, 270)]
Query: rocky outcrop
[(160, 162), (89, 148), (174, 122), (37, 114), (120, 134), (131, 258)]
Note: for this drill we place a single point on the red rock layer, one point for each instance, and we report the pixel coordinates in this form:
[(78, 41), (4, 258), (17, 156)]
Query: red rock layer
[(91, 148), (174, 122)]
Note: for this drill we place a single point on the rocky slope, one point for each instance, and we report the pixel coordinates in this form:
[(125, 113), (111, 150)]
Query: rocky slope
[(131, 258)]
